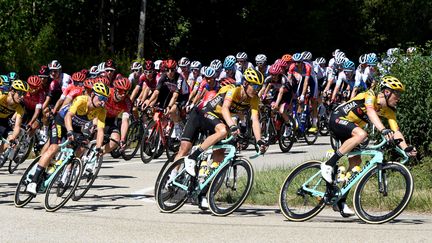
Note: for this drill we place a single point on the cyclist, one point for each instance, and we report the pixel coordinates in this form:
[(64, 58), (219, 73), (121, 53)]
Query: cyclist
[(134, 76), (70, 120), (10, 104), (4, 84), (347, 122), (148, 81), (280, 92), (242, 62), (118, 104), (208, 85), (109, 71), (345, 82), (216, 116), (216, 64), (56, 73), (184, 68), (73, 90), (261, 64), (33, 102), (230, 70)]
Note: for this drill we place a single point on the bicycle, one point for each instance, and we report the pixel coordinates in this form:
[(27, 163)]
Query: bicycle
[(159, 138), (226, 187), (135, 135), (92, 163), (384, 188), (271, 124), (58, 186)]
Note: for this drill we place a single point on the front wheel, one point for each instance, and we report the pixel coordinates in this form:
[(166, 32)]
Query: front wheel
[(171, 197), (301, 195), (230, 187), (90, 172), (286, 136), (382, 194), (133, 140), (63, 185)]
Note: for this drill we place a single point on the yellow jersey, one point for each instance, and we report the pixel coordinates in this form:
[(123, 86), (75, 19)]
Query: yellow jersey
[(83, 115), (7, 111)]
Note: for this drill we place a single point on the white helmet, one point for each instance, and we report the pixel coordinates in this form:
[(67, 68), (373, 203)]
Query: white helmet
[(306, 56), (195, 65), (136, 66), (184, 62), (157, 64), (242, 55), (260, 58), (392, 51)]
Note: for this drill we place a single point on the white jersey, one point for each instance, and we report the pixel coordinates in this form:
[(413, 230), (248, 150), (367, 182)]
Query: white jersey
[(238, 76), (266, 70), (65, 80), (239, 68), (320, 72), (196, 81)]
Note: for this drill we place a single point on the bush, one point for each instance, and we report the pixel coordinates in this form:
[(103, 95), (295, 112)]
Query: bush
[(415, 108)]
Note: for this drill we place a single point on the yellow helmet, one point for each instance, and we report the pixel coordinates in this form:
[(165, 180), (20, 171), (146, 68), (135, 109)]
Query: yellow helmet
[(392, 83), (101, 89), (20, 85), (253, 76)]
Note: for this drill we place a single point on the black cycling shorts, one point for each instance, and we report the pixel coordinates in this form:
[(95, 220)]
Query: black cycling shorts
[(4, 127), (199, 121), (341, 128), (112, 125)]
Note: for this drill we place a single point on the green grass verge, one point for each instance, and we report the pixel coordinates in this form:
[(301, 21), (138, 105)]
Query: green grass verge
[(268, 183)]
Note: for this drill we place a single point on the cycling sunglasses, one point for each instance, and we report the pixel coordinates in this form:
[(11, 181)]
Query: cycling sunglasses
[(102, 98)]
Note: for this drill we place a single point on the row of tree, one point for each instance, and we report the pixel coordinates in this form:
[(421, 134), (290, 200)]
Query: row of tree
[(82, 33)]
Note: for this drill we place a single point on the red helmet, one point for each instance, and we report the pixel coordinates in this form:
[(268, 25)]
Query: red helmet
[(85, 72), (275, 69), (103, 80), (281, 63), (44, 72), (170, 64), (88, 83), (149, 65), (78, 77), (34, 81), (227, 81), (287, 58), (122, 83)]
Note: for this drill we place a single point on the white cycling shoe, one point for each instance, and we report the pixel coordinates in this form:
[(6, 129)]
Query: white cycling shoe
[(190, 166), (327, 172)]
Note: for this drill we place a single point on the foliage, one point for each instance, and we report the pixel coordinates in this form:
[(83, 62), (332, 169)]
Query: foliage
[(415, 106)]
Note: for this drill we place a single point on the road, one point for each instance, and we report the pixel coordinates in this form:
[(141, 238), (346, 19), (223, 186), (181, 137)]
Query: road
[(121, 208)]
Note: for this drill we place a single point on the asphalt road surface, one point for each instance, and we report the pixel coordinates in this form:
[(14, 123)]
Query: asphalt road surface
[(120, 208)]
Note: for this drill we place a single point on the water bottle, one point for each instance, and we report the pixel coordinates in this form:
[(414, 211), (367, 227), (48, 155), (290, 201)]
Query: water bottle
[(341, 177), (303, 117), (202, 174), (52, 168), (353, 172)]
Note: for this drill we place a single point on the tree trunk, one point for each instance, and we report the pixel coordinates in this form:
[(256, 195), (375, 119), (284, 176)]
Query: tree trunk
[(141, 30)]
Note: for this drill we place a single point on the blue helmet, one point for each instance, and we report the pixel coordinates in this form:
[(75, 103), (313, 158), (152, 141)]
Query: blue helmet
[(348, 65), (12, 76), (6, 81), (210, 72), (297, 57), (371, 60), (229, 62)]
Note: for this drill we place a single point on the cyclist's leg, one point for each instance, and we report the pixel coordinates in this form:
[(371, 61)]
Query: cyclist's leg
[(189, 134)]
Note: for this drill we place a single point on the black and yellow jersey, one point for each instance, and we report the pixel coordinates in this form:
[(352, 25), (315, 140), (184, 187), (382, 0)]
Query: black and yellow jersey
[(354, 110), (7, 111), (238, 105), (82, 114)]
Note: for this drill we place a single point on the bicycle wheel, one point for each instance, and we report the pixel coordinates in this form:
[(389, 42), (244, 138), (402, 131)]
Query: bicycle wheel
[(5, 156), (133, 140), (25, 148), (230, 187), (286, 139), (295, 202), (116, 153), (172, 145), (89, 174), (169, 197), (63, 185), (334, 142), (382, 194), (150, 145), (21, 197)]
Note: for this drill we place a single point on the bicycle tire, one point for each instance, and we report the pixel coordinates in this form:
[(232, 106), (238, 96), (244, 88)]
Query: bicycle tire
[(22, 185), (149, 146), (286, 143), (88, 178), (222, 200), (361, 197), (166, 190), (55, 188), (13, 164), (134, 135), (291, 188)]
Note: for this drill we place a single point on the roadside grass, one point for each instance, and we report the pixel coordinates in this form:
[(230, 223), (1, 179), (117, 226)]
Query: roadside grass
[(268, 183)]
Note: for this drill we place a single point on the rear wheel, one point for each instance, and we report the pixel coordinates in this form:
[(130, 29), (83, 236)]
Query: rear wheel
[(63, 185), (286, 136), (230, 187), (170, 197), (150, 145), (90, 172), (21, 197), (296, 202)]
